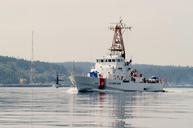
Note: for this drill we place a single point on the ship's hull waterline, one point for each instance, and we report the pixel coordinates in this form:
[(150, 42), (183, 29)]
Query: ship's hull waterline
[(84, 83)]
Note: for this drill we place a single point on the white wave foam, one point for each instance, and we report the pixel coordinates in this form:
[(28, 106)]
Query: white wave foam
[(72, 90)]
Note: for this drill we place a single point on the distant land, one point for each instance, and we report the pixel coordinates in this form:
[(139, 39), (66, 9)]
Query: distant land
[(14, 70)]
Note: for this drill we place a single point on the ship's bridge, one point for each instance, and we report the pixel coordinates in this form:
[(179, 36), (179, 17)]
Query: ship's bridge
[(111, 60), (111, 66)]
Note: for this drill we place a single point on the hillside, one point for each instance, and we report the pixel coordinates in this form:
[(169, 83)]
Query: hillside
[(12, 70), (172, 74)]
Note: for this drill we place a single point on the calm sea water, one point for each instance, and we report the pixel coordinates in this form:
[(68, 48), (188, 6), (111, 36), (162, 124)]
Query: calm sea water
[(64, 107)]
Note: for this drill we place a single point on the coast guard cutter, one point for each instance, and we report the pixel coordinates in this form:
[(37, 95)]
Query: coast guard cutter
[(113, 71)]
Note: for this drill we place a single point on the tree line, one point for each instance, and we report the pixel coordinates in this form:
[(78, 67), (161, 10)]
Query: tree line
[(12, 70)]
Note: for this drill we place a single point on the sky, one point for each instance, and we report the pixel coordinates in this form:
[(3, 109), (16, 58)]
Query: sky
[(77, 30)]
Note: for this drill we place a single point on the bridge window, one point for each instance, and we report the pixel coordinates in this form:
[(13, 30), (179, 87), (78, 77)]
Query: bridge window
[(113, 60), (106, 60), (102, 60), (109, 60), (118, 60)]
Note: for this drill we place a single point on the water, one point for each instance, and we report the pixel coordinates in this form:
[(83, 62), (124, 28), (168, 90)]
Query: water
[(64, 107)]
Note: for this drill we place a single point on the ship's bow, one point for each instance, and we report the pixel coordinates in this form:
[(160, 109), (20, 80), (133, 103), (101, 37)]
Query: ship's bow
[(84, 83)]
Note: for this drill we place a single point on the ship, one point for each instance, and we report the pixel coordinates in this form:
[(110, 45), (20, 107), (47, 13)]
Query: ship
[(114, 72)]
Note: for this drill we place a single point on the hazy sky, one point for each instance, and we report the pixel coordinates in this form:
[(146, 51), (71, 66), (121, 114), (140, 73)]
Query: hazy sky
[(67, 30)]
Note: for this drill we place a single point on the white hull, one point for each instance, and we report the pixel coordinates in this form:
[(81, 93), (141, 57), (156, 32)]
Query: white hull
[(88, 84)]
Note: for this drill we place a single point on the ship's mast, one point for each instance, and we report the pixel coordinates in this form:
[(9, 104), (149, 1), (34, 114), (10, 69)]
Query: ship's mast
[(117, 43), (32, 58)]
